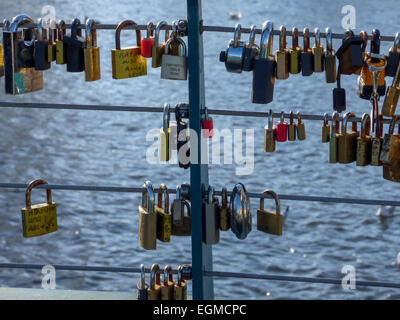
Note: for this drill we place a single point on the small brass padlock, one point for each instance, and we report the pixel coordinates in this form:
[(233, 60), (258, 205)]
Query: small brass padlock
[(325, 130), (269, 134), (377, 141), (224, 212), (38, 219), (158, 49), (164, 151), (295, 53), (292, 128), (347, 141), (364, 142), (185, 229), (91, 53), (391, 144), (180, 287), (167, 286), (318, 52), (164, 219), (333, 141), (147, 231), (154, 290), (329, 58), (300, 128), (60, 48), (270, 221), (282, 57)]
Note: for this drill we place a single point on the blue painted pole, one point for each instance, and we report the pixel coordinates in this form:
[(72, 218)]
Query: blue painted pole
[(201, 253)]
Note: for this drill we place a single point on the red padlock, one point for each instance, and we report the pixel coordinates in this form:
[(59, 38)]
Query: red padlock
[(147, 43), (207, 125), (281, 129)]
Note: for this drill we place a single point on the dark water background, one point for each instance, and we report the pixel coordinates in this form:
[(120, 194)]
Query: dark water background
[(108, 148)]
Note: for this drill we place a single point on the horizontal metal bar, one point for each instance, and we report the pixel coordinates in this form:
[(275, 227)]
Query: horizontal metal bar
[(234, 113), (100, 26), (172, 191), (298, 279)]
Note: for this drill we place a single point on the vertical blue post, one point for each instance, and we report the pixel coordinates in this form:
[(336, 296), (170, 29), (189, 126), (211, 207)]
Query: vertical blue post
[(201, 253)]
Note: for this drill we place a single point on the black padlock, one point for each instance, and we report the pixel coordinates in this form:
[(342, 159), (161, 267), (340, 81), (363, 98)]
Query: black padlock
[(307, 58), (339, 96), (74, 48), (25, 49), (40, 51), (250, 51), (182, 137), (350, 54), (394, 57), (264, 68)]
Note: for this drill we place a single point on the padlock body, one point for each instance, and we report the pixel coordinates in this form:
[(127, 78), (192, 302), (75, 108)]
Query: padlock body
[(167, 291), (156, 55), (164, 225), (210, 223), (365, 87), (376, 148), (182, 145), (207, 126), (301, 131), (174, 67), (333, 149), (330, 67), (307, 63), (51, 51), (183, 230), (292, 129), (147, 47), (339, 99), (391, 100), (180, 291), (363, 151), (224, 219), (249, 54), (350, 55), (318, 55), (141, 293), (147, 230), (60, 52), (269, 222), (392, 173), (92, 63), (74, 54), (128, 63), (41, 55), (392, 62), (269, 139), (282, 64), (281, 132), (235, 57), (325, 133), (263, 80), (347, 148), (154, 294), (164, 149), (295, 60), (39, 219), (390, 149)]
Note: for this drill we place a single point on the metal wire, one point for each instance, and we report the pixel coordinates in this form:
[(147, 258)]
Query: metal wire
[(171, 191), (234, 113)]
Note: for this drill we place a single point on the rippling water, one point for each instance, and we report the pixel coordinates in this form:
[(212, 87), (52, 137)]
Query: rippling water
[(108, 148)]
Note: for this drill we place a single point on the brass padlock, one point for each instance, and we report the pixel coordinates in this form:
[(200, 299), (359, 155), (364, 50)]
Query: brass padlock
[(270, 221), (377, 143), (154, 290), (41, 218), (164, 151), (180, 287), (60, 48), (147, 231), (91, 53), (329, 58), (392, 172), (51, 48), (269, 134), (292, 128), (347, 142), (186, 228), (164, 219), (300, 128), (325, 130), (392, 94), (224, 212), (167, 286), (127, 62), (318, 52), (282, 57), (333, 141), (364, 142), (295, 53), (391, 144), (158, 49)]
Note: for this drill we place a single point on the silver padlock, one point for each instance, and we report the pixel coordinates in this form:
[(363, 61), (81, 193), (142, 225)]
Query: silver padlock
[(240, 212), (174, 67), (210, 218), (142, 286), (177, 209), (235, 52)]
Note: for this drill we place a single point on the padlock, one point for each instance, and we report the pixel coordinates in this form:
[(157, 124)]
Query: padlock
[(164, 150), (269, 134), (264, 68), (5, 26), (174, 67), (167, 286), (391, 145), (329, 58), (51, 47), (210, 218), (91, 52), (147, 231), (373, 71), (74, 44), (281, 129), (282, 56), (154, 290), (392, 95), (347, 141), (164, 218), (270, 221), (292, 127), (142, 287), (339, 96), (392, 173), (186, 228), (148, 41), (307, 59), (295, 53), (300, 128), (333, 141), (40, 51), (127, 62), (224, 212), (61, 51), (240, 212), (364, 142), (318, 52), (180, 287), (20, 75), (325, 130), (41, 218), (394, 57), (158, 50), (251, 50), (207, 125), (177, 209), (377, 141), (183, 138), (350, 54), (233, 56)]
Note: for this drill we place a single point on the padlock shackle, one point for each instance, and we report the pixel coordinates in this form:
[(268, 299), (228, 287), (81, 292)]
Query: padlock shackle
[(282, 38), (345, 120), (210, 194), (275, 197), (180, 278), (291, 120), (270, 122), (295, 38), (376, 41), (166, 117), (299, 121), (266, 43), (29, 188), (150, 29), (153, 275), (157, 32), (306, 39), (329, 46), (142, 277), (148, 197), (365, 125), (18, 21), (282, 118), (6, 24), (325, 119), (40, 30), (317, 37), (224, 197), (90, 34), (121, 26), (167, 275), (252, 36), (364, 36), (396, 43), (237, 35), (162, 189), (181, 52), (61, 30), (187, 205), (240, 191), (52, 30), (335, 122), (75, 29)]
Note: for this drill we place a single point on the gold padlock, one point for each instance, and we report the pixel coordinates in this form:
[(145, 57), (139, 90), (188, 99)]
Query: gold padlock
[(154, 290), (377, 141), (38, 219), (347, 142), (127, 62), (147, 231), (158, 49), (167, 286), (269, 134), (391, 144), (270, 221), (295, 53), (180, 287), (325, 130), (292, 128), (333, 141), (51, 47), (224, 212), (91, 53), (300, 128), (164, 151), (282, 57), (318, 52), (60, 48), (164, 219), (364, 142), (392, 172)]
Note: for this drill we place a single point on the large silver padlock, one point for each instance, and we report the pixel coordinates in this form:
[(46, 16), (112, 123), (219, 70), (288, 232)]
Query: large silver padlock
[(174, 67), (240, 212), (210, 218), (235, 52)]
